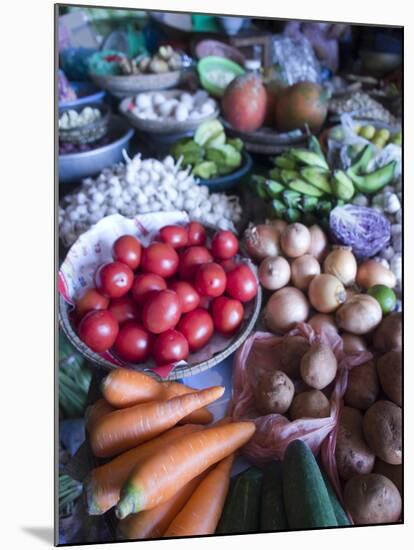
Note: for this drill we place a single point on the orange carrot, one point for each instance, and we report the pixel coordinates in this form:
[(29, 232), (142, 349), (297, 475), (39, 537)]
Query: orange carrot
[(159, 477), (151, 524), (104, 484), (96, 411), (125, 388), (202, 512), (123, 429)]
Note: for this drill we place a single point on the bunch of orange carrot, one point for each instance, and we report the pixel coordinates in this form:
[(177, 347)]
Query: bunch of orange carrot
[(168, 471)]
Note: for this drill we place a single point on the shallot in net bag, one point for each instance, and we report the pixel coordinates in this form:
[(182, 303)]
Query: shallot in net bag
[(274, 432)]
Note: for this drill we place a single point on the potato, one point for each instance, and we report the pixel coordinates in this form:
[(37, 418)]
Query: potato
[(389, 368), (290, 352), (383, 431), (310, 404), (392, 472), (353, 456), (274, 393), (318, 366), (363, 386), (372, 498), (388, 336)]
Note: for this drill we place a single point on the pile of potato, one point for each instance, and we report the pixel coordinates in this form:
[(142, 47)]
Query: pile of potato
[(368, 447)]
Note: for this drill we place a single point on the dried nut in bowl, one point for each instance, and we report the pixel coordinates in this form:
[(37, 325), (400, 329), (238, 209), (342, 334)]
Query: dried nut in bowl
[(383, 431), (353, 456), (274, 393), (363, 386), (309, 404), (318, 366), (372, 498)]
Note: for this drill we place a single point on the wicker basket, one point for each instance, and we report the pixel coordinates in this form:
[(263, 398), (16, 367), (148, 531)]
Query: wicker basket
[(123, 86), (180, 371), (162, 126)]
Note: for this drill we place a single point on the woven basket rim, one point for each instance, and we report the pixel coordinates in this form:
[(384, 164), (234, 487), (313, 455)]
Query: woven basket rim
[(130, 84)]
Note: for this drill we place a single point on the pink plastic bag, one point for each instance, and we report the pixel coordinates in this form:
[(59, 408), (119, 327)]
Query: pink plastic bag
[(274, 432)]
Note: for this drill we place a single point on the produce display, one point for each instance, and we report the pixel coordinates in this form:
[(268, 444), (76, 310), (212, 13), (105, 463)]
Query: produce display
[(140, 186), (210, 152), (249, 343), (179, 107), (166, 300)]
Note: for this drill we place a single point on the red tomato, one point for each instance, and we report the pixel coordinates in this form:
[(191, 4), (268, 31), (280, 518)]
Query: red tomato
[(196, 234), (127, 249), (228, 265), (114, 279), (144, 283), (90, 300), (175, 235), (224, 245), (210, 280), (98, 329), (159, 258), (241, 283), (187, 294), (124, 309), (197, 326), (133, 343), (161, 311), (169, 347), (191, 259), (227, 314)]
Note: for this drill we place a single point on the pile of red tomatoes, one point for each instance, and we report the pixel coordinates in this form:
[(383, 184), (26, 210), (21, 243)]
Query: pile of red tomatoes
[(166, 301)]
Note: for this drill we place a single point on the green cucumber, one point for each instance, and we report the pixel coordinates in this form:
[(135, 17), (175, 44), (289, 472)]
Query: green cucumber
[(306, 497), (318, 177), (305, 188), (241, 513), (340, 513), (374, 181), (272, 512)]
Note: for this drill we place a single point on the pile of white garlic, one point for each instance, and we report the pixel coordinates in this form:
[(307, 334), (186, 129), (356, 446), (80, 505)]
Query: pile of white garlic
[(141, 186), (183, 106), (388, 202), (72, 119)]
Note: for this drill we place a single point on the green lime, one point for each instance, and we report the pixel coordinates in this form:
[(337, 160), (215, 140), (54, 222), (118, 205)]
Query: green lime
[(385, 296)]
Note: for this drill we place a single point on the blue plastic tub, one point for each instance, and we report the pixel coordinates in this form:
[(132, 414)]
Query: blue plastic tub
[(87, 92)]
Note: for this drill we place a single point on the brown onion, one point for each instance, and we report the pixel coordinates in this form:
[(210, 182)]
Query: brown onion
[(274, 272), (261, 241), (326, 293), (319, 243), (341, 263), (359, 315), (285, 308), (353, 343), (372, 273), (350, 292), (295, 240), (304, 270), (279, 225), (323, 322)]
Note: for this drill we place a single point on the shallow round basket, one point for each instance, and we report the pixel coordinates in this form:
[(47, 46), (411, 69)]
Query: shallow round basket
[(87, 133), (162, 126), (228, 181), (179, 371), (122, 86)]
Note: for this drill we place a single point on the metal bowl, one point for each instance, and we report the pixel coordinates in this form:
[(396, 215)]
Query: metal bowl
[(76, 166), (122, 86), (162, 126), (87, 133)]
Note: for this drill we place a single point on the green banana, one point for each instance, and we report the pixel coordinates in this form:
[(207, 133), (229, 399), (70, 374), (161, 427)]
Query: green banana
[(259, 183), (278, 208), (362, 160), (309, 204), (309, 158), (305, 188), (315, 147), (288, 175), (342, 185), (274, 188), (374, 181), (284, 162), (324, 208), (292, 215), (291, 198), (274, 174), (317, 177)]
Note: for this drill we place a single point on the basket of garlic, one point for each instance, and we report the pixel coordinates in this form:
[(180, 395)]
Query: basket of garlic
[(169, 112)]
